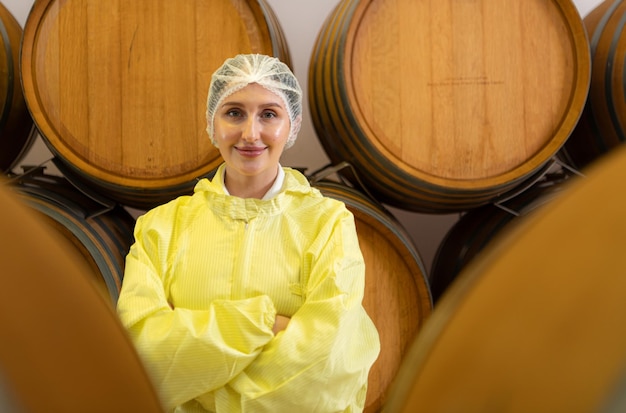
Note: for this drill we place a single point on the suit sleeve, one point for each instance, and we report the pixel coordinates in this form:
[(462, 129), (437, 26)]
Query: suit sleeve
[(187, 352)]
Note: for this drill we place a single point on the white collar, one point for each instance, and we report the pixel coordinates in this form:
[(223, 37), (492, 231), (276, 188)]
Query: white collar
[(274, 189)]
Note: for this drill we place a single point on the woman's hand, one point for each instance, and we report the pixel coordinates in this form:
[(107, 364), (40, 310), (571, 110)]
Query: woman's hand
[(280, 324)]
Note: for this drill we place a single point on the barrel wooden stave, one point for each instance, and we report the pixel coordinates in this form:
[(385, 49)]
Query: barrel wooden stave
[(101, 235)]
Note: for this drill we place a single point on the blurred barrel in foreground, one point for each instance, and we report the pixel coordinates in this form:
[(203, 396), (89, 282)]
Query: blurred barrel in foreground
[(442, 108), (101, 234), (118, 89), (397, 295), (63, 349), (602, 126), (536, 324), (16, 126)]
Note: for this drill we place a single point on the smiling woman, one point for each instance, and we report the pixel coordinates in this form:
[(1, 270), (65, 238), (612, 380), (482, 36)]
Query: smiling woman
[(248, 295)]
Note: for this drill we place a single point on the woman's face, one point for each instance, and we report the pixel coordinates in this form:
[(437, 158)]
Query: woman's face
[(251, 129)]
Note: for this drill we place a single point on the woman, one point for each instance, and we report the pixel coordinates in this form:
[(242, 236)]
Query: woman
[(247, 295)]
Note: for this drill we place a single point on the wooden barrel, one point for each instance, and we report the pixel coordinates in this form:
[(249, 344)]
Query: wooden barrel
[(536, 323), (602, 126), (118, 89), (16, 125), (442, 107), (481, 226), (101, 234), (63, 349), (397, 295)]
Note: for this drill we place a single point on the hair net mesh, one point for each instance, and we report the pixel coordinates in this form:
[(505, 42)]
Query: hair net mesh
[(269, 72)]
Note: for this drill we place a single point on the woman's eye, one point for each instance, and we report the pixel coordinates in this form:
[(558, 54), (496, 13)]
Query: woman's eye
[(268, 115), (233, 113)]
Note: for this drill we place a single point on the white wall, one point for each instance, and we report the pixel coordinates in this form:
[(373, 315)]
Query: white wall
[(301, 20)]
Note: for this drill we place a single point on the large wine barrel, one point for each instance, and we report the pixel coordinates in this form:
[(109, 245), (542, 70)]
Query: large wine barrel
[(63, 348), (16, 125), (602, 126), (441, 106), (101, 234), (397, 295), (536, 323), (118, 88)]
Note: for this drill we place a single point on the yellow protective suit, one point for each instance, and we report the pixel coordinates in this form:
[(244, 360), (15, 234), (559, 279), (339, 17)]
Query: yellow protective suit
[(205, 279)]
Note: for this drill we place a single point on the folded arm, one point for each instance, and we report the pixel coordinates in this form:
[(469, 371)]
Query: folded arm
[(320, 362)]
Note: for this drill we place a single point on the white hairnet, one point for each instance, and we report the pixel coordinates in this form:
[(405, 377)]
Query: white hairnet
[(269, 72)]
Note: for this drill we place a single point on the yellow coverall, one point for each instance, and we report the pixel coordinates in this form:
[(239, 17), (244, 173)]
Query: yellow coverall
[(205, 279)]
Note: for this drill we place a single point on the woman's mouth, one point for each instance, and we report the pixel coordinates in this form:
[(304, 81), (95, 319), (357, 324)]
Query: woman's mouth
[(250, 152)]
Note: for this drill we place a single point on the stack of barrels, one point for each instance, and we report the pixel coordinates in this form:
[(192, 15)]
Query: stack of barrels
[(460, 107), (486, 109), (437, 107), (118, 95), (481, 108)]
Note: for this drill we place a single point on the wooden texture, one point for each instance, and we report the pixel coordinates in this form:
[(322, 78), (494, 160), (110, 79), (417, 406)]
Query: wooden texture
[(602, 126), (536, 323), (16, 125), (397, 295), (481, 226), (63, 348), (101, 235), (442, 105), (118, 88)]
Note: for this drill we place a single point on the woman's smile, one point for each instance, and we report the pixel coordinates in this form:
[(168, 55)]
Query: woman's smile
[(251, 151)]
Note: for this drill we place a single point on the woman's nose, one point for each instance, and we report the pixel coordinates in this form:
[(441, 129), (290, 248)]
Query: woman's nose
[(251, 130)]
